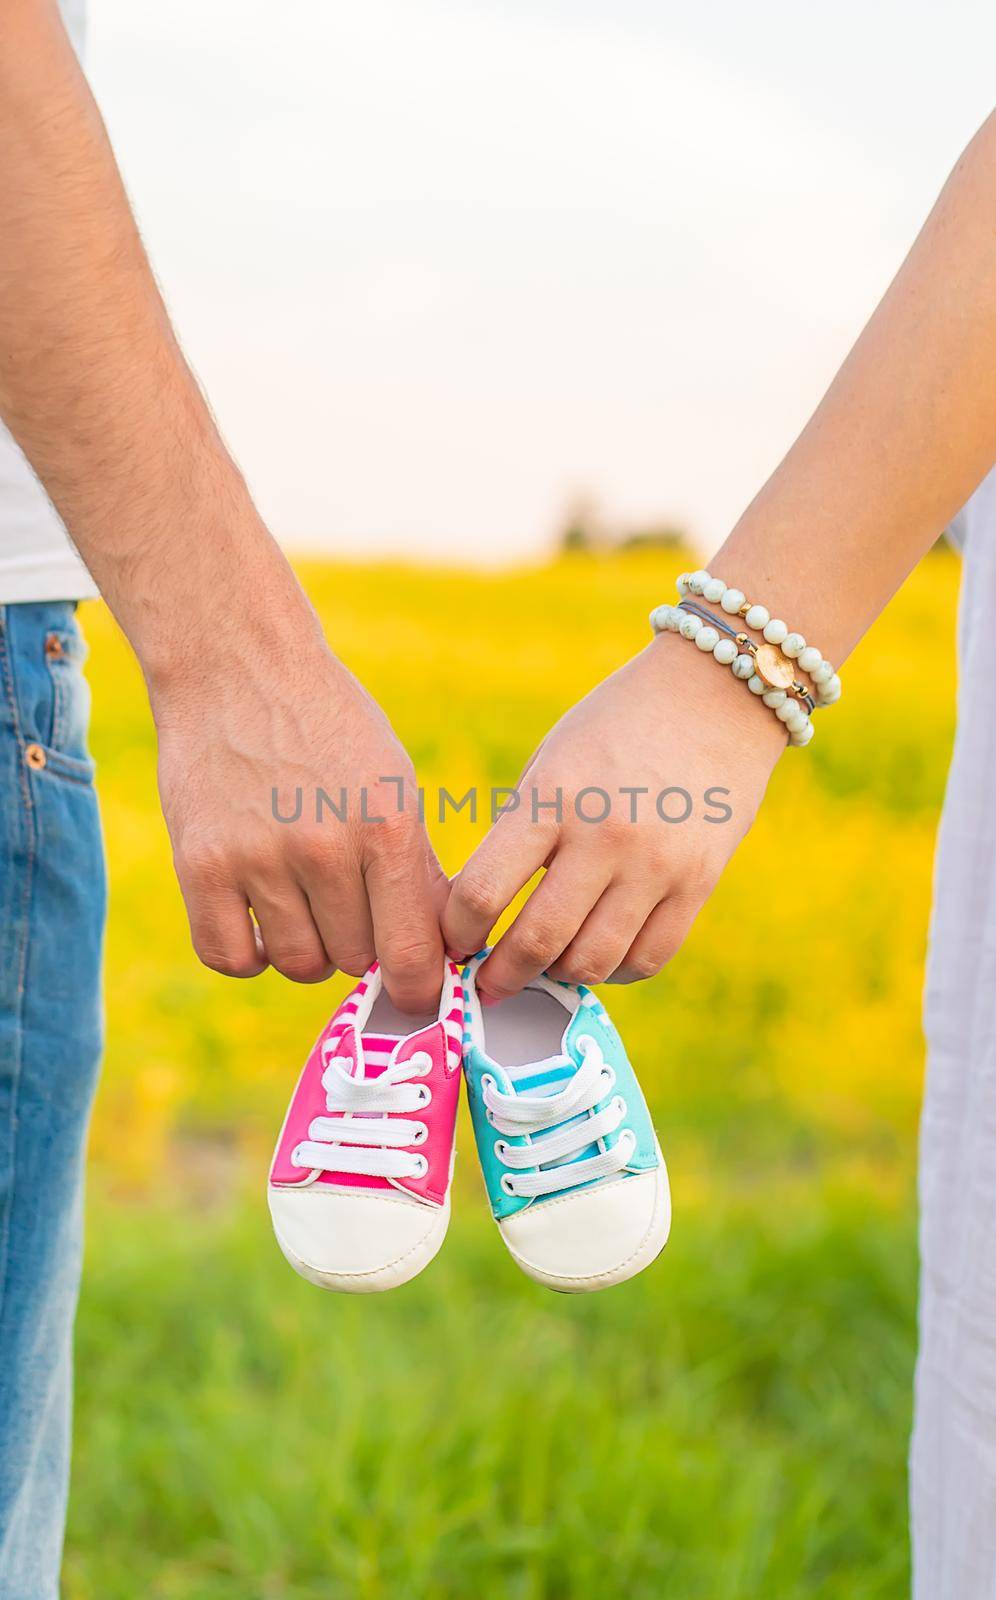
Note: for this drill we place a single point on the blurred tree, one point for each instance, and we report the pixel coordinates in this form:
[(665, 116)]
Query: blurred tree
[(585, 527), (582, 527), (656, 536)]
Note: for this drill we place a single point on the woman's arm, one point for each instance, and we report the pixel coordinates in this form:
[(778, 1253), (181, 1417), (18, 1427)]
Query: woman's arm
[(905, 433)]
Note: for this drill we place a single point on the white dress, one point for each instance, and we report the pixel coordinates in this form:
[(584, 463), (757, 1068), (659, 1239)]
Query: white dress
[(953, 1459)]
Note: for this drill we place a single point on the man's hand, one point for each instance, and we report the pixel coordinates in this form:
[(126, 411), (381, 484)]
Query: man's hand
[(261, 732), (619, 895)]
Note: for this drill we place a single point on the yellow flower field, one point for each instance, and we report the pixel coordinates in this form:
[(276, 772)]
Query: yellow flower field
[(472, 669)]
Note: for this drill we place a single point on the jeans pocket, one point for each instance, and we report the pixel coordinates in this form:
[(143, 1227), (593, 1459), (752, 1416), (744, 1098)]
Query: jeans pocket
[(46, 652), (69, 718)]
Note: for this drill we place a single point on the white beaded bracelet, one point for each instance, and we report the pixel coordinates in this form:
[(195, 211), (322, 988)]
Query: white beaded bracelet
[(724, 645), (826, 683)]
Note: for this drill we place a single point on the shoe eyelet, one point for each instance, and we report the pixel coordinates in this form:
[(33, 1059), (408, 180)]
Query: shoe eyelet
[(422, 1168), (487, 1081), (295, 1157), (425, 1094), (421, 1061), (507, 1184), (619, 1105), (585, 1042), (421, 1134), (499, 1148)]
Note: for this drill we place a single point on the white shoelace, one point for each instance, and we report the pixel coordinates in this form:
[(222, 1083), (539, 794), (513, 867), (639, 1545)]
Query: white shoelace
[(353, 1138), (553, 1153)]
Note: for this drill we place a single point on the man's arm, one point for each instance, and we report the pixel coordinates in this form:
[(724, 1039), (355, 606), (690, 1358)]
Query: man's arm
[(245, 693), (905, 433)]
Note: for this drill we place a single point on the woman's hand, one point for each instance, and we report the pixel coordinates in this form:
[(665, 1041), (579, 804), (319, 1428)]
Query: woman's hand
[(669, 758)]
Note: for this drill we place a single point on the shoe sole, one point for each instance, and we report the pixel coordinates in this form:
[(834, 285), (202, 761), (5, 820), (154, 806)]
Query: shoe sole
[(390, 1276), (646, 1252)]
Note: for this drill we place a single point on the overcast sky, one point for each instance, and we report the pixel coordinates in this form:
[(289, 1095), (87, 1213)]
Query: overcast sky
[(440, 267)]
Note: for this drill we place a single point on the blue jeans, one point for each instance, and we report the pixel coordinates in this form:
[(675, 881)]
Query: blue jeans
[(52, 904)]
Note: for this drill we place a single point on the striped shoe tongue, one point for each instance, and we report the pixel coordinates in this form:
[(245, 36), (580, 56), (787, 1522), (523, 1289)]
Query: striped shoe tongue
[(377, 1049), (542, 1077)]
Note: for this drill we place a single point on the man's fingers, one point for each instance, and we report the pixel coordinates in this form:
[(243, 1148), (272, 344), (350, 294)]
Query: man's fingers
[(439, 883), (343, 917), (221, 929), (604, 939), (502, 864), (340, 910), (546, 924), (409, 945), (290, 938), (660, 938)]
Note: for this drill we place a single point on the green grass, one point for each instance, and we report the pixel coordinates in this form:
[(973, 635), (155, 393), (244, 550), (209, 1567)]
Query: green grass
[(732, 1426)]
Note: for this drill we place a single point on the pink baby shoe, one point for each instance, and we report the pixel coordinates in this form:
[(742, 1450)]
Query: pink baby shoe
[(359, 1186)]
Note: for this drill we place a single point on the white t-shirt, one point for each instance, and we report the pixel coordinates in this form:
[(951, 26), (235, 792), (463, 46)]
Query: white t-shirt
[(37, 558)]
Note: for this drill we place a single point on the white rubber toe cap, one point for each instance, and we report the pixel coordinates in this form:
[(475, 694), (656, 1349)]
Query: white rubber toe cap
[(358, 1242), (595, 1237)]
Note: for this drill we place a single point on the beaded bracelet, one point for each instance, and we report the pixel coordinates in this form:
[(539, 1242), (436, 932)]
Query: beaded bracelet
[(786, 681), (738, 653), (772, 665), (747, 646)]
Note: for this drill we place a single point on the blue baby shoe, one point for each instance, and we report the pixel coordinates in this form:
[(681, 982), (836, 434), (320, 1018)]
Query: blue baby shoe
[(571, 1162)]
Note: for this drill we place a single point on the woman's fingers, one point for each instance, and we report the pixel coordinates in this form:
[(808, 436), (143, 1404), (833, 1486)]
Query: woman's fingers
[(604, 939), (504, 861), (547, 923), (660, 938)]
